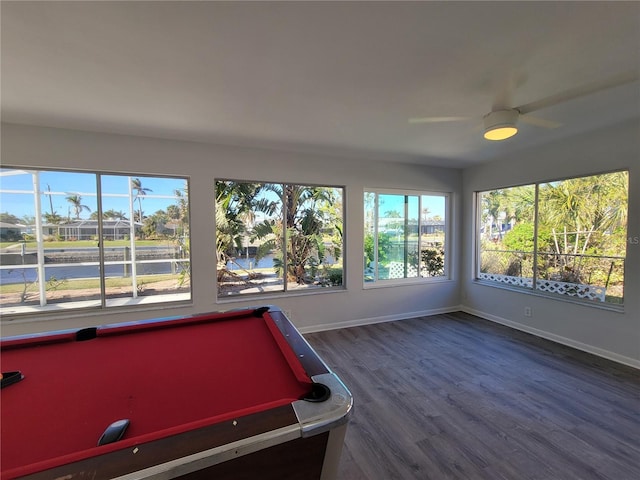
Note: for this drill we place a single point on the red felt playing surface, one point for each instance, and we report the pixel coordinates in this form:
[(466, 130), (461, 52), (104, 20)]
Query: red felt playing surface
[(158, 378)]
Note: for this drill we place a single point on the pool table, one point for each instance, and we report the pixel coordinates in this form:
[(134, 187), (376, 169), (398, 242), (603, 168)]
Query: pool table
[(237, 394)]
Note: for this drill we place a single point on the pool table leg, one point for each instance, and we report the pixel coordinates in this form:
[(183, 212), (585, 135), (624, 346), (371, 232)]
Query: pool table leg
[(332, 453)]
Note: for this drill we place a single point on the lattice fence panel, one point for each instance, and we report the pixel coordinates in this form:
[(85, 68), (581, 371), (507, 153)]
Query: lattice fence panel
[(590, 292), (396, 270), (509, 280)]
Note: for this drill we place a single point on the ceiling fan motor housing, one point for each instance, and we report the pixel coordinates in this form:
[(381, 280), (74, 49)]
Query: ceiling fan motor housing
[(500, 124)]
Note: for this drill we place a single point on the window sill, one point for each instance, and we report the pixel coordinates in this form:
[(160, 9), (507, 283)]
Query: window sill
[(91, 308), (223, 299), (402, 282)]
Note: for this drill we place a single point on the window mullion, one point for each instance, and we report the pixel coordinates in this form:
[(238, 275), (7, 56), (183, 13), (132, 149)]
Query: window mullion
[(39, 240), (535, 238), (419, 236), (405, 237), (101, 267), (285, 261), (132, 240), (377, 233)]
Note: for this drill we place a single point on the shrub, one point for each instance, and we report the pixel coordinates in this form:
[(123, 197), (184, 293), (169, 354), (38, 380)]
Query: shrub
[(433, 261), (334, 276)]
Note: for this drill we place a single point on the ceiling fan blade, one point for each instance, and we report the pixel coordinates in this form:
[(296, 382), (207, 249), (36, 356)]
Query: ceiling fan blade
[(581, 91), (539, 122), (437, 119), (505, 89)]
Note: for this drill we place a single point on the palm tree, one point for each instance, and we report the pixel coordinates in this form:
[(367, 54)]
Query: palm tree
[(521, 203), (7, 217), (181, 210), (425, 213), (297, 218), (110, 215), (154, 223), (76, 203), (234, 204), (582, 213), (52, 218), (492, 207), (305, 217), (140, 191)]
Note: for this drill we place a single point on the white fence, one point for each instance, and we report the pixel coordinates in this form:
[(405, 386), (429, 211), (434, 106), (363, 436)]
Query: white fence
[(396, 270), (590, 292)]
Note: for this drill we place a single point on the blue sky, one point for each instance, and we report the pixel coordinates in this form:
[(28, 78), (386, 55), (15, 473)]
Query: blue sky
[(16, 187), (16, 196), (394, 202)]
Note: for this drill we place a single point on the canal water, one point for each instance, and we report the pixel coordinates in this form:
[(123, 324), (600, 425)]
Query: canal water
[(19, 275), (67, 272), (59, 263)]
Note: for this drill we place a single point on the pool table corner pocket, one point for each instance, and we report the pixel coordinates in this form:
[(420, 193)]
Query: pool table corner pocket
[(318, 417)]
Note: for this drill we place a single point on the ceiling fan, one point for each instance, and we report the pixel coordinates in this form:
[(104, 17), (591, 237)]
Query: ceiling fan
[(501, 122)]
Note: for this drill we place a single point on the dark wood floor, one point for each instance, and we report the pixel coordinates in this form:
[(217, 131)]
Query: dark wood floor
[(457, 397)]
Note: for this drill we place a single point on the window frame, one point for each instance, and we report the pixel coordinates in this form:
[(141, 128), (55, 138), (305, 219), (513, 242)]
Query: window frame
[(105, 303), (285, 289), (534, 289), (408, 280)]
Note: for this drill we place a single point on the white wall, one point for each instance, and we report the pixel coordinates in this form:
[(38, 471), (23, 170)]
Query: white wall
[(608, 333), (33, 147)]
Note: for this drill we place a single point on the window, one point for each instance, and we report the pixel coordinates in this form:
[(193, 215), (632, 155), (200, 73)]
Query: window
[(565, 237), (74, 239), (405, 236), (273, 237)]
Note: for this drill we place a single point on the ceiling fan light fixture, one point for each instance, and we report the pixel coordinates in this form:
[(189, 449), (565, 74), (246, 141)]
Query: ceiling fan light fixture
[(501, 124)]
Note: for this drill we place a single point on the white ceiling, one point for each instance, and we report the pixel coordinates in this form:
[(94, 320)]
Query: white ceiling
[(330, 77)]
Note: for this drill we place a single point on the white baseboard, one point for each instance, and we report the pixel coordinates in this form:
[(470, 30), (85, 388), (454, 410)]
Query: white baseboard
[(382, 319), (631, 362)]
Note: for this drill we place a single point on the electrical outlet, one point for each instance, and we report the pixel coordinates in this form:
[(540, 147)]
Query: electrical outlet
[(528, 312)]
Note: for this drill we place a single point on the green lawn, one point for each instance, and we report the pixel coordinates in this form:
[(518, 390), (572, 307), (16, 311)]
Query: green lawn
[(94, 283)]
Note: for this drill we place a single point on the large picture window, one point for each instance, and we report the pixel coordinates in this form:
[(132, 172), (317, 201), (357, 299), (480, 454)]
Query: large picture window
[(80, 239), (405, 236), (565, 237), (274, 237)]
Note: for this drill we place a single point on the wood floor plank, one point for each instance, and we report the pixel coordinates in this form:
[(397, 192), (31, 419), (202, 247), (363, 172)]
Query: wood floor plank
[(453, 396)]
